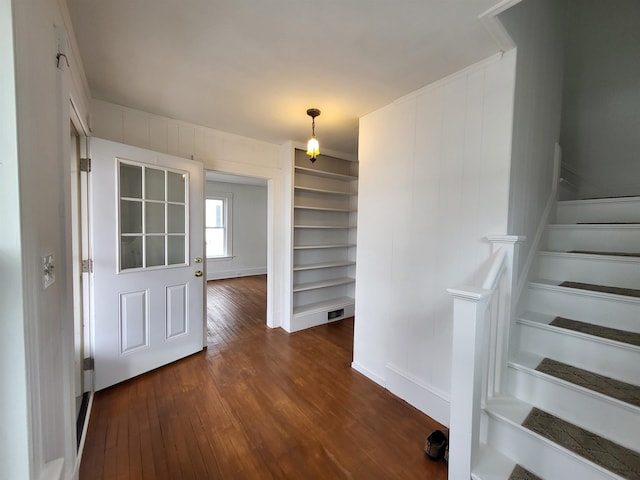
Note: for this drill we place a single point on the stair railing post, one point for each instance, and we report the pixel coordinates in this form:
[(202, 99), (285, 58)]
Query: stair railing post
[(469, 310), (502, 317)]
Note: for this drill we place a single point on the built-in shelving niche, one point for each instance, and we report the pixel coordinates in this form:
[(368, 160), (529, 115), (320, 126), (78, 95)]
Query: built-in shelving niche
[(325, 200)]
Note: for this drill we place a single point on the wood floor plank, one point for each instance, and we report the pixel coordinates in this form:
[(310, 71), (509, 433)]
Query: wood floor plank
[(257, 404)]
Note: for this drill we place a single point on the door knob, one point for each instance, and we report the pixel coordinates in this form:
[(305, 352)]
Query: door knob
[(198, 273)]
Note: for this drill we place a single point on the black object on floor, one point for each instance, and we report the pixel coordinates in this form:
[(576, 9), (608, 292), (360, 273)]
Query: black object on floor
[(435, 445)]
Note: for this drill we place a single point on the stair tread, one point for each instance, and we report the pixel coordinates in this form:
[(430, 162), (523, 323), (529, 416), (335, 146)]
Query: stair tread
[(605, 453), (614, 334), (627, 292), (492, 465), (610, 387), (521, 473)]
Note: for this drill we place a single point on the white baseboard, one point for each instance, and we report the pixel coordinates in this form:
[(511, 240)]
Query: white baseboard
[(369, 374), (414, 391), (235, 273)]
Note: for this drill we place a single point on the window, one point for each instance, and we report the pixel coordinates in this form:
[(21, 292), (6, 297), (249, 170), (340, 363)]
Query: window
[(218, 225), (152, 216)]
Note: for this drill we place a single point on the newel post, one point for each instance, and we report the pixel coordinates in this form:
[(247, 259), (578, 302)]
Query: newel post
[(469, 307), (498, 350)]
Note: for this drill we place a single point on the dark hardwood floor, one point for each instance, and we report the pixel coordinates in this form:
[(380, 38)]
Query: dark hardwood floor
[(257, 404)]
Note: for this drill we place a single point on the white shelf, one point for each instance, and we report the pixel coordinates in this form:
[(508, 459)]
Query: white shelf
[(333, 304), (325, 191), (324, 209), (320, 173), (316, 247), (325, 227), (303, 287), (317, 266)]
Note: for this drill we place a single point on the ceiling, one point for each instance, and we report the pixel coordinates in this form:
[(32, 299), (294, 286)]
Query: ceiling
[(253, 67)]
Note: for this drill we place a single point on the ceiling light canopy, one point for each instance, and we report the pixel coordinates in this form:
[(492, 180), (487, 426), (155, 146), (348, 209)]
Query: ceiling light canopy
[(313, 147)]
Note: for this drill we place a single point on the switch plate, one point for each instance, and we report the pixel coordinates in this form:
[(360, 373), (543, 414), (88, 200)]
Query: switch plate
[(48, 276)]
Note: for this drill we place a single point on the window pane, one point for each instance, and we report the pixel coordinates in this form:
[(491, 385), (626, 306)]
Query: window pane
[(130, 252), (130, 181), (176, 247), (214, 213), (155, 251), (214, 242), (130, 216), (154, 186), (154, 217), (175, 218), (175, 187)]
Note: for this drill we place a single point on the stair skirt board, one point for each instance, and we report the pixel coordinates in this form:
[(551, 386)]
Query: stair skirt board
[(616, 335), (538, 454), (627, 292), (595, 354), (520, 473), (593, 411), (612, 311), (603, 452)]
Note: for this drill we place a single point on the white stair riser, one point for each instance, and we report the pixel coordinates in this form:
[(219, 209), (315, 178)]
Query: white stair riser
[(564, 238), (606, 210), (600, 270), (607, 311), (605, 358), (608, 419), (540, 456)]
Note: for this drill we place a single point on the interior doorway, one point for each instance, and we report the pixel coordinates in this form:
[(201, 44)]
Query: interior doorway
[(236, 234), (79, 245)]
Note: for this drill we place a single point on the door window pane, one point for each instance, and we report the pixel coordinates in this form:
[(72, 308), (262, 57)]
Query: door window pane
[(130, 181), (175, 247), (175, 218), (130, 252), (154, 184), (155, 251), (176, 186), (153, 217), (130, 216)]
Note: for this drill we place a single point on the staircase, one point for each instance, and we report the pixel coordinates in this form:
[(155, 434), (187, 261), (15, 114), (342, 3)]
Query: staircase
[(572, 405)]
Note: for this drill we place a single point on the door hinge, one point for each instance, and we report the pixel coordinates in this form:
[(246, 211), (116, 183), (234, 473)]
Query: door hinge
[(87, 266), (87, 363), (85, 165)]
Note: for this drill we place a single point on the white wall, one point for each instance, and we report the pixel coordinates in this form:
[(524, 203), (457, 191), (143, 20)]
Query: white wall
[(249, 231), (434, 179), (14, 399), (224, 153), (536, 28), (601, 108), (37, 330)]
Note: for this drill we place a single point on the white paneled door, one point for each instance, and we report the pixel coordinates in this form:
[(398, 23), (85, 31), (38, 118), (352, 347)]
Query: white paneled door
[(148, 285)]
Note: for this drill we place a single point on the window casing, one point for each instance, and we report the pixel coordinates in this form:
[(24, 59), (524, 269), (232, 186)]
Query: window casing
[(218, 215)]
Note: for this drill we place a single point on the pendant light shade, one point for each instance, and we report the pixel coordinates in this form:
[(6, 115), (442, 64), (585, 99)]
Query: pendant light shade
[(313, 147)]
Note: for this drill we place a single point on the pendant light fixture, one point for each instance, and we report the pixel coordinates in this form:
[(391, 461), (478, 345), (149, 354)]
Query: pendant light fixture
[(313, 147)]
